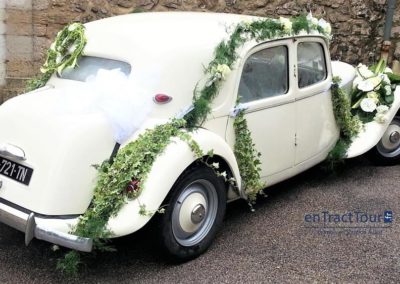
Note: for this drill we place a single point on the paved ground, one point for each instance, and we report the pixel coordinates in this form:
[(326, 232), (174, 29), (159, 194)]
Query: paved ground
[(271, 245)]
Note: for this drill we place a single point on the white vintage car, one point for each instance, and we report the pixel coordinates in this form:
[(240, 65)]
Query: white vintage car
[(51, 137)]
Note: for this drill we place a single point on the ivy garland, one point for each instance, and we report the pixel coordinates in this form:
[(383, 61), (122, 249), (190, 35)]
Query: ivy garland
[(349, 124), (133, 163), (63, 53), (248, 158)]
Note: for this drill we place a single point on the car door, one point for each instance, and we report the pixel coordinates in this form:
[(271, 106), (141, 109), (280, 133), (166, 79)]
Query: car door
[(266, 94), (315, 124)]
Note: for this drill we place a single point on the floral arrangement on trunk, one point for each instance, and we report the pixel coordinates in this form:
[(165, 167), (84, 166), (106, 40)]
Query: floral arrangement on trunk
[(372, 93)]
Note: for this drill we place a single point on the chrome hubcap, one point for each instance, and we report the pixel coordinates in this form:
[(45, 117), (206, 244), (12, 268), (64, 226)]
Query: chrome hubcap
[(194, 212), (394, 137), (198, 214), (389, 146)]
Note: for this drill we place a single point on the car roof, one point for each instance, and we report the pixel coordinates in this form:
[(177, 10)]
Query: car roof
[(168, 49), (159, 32)]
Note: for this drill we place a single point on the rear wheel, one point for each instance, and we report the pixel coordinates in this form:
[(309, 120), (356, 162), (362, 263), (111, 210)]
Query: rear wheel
[(194, 213), (387, 151)]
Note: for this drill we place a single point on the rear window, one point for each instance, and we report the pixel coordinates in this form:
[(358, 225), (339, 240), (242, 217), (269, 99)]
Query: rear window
[(89, 66)]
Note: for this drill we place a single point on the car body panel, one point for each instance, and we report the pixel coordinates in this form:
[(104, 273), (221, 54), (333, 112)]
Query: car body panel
[(167, 53), (56, 140)]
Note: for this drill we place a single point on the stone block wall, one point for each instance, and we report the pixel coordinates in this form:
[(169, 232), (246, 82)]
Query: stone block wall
[(27, 27)]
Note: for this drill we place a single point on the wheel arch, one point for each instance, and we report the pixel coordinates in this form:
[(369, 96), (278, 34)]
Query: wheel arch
[(166, 170)]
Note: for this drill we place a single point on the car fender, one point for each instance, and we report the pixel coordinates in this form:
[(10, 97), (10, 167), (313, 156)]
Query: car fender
[(164, 173), (373, 131)]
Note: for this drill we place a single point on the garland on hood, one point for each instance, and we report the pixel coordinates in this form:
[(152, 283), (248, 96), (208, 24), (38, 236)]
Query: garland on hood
[(133, 163)]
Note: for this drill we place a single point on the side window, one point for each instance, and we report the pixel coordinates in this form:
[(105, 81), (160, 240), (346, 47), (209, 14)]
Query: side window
[(265, 74), (311, 63)]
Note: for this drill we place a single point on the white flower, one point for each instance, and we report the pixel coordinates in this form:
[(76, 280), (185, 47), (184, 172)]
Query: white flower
[(302, 32), (312, 20), (326, 27), (385, 78), (380, 118), (53, 46), (365, 86), (223, 174), (388, 70), (369, 84), (215, 165), (356, 81), (221, 71), (382, 109), (368, 105), (373, 95), (73, 27), (247, 23), (72, 48), (364, 71), (286, 23), (59, 59), (388, 90)]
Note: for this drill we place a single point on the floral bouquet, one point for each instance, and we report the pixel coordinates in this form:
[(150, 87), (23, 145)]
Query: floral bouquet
[(373, 91)]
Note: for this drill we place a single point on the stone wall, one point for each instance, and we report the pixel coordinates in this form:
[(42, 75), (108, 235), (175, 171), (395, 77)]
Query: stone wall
[(27, 27), (2, 46)]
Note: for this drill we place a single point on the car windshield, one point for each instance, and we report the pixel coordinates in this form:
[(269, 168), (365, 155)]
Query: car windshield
[(88, 66)]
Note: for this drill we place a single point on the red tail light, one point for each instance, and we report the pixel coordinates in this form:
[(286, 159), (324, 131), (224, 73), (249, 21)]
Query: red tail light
[(162, 98)]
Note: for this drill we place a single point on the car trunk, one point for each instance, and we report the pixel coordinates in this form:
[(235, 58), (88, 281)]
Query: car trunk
[(61, 145)]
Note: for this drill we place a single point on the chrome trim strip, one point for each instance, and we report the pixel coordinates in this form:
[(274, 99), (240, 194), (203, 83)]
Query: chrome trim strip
[(299, 98), (27, 223), (249, 110)]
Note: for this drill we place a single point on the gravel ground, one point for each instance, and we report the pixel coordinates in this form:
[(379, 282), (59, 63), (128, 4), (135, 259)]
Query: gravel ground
[(274, 244)]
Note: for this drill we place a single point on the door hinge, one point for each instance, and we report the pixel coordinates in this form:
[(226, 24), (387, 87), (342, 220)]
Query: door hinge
[(295, 140)]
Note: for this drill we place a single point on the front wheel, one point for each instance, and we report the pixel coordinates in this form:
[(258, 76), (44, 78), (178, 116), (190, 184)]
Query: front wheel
[(387, 151), (194, 213)]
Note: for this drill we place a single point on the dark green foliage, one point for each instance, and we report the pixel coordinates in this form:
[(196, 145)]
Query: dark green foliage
[(202, 106), (266, 29), (299, 24), (248, 158), (348, 124), (394, 78), (38, 82), (337, 154), (70, 264)]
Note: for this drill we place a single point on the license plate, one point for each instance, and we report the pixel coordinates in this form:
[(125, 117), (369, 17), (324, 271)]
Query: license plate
[(15, 171)]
